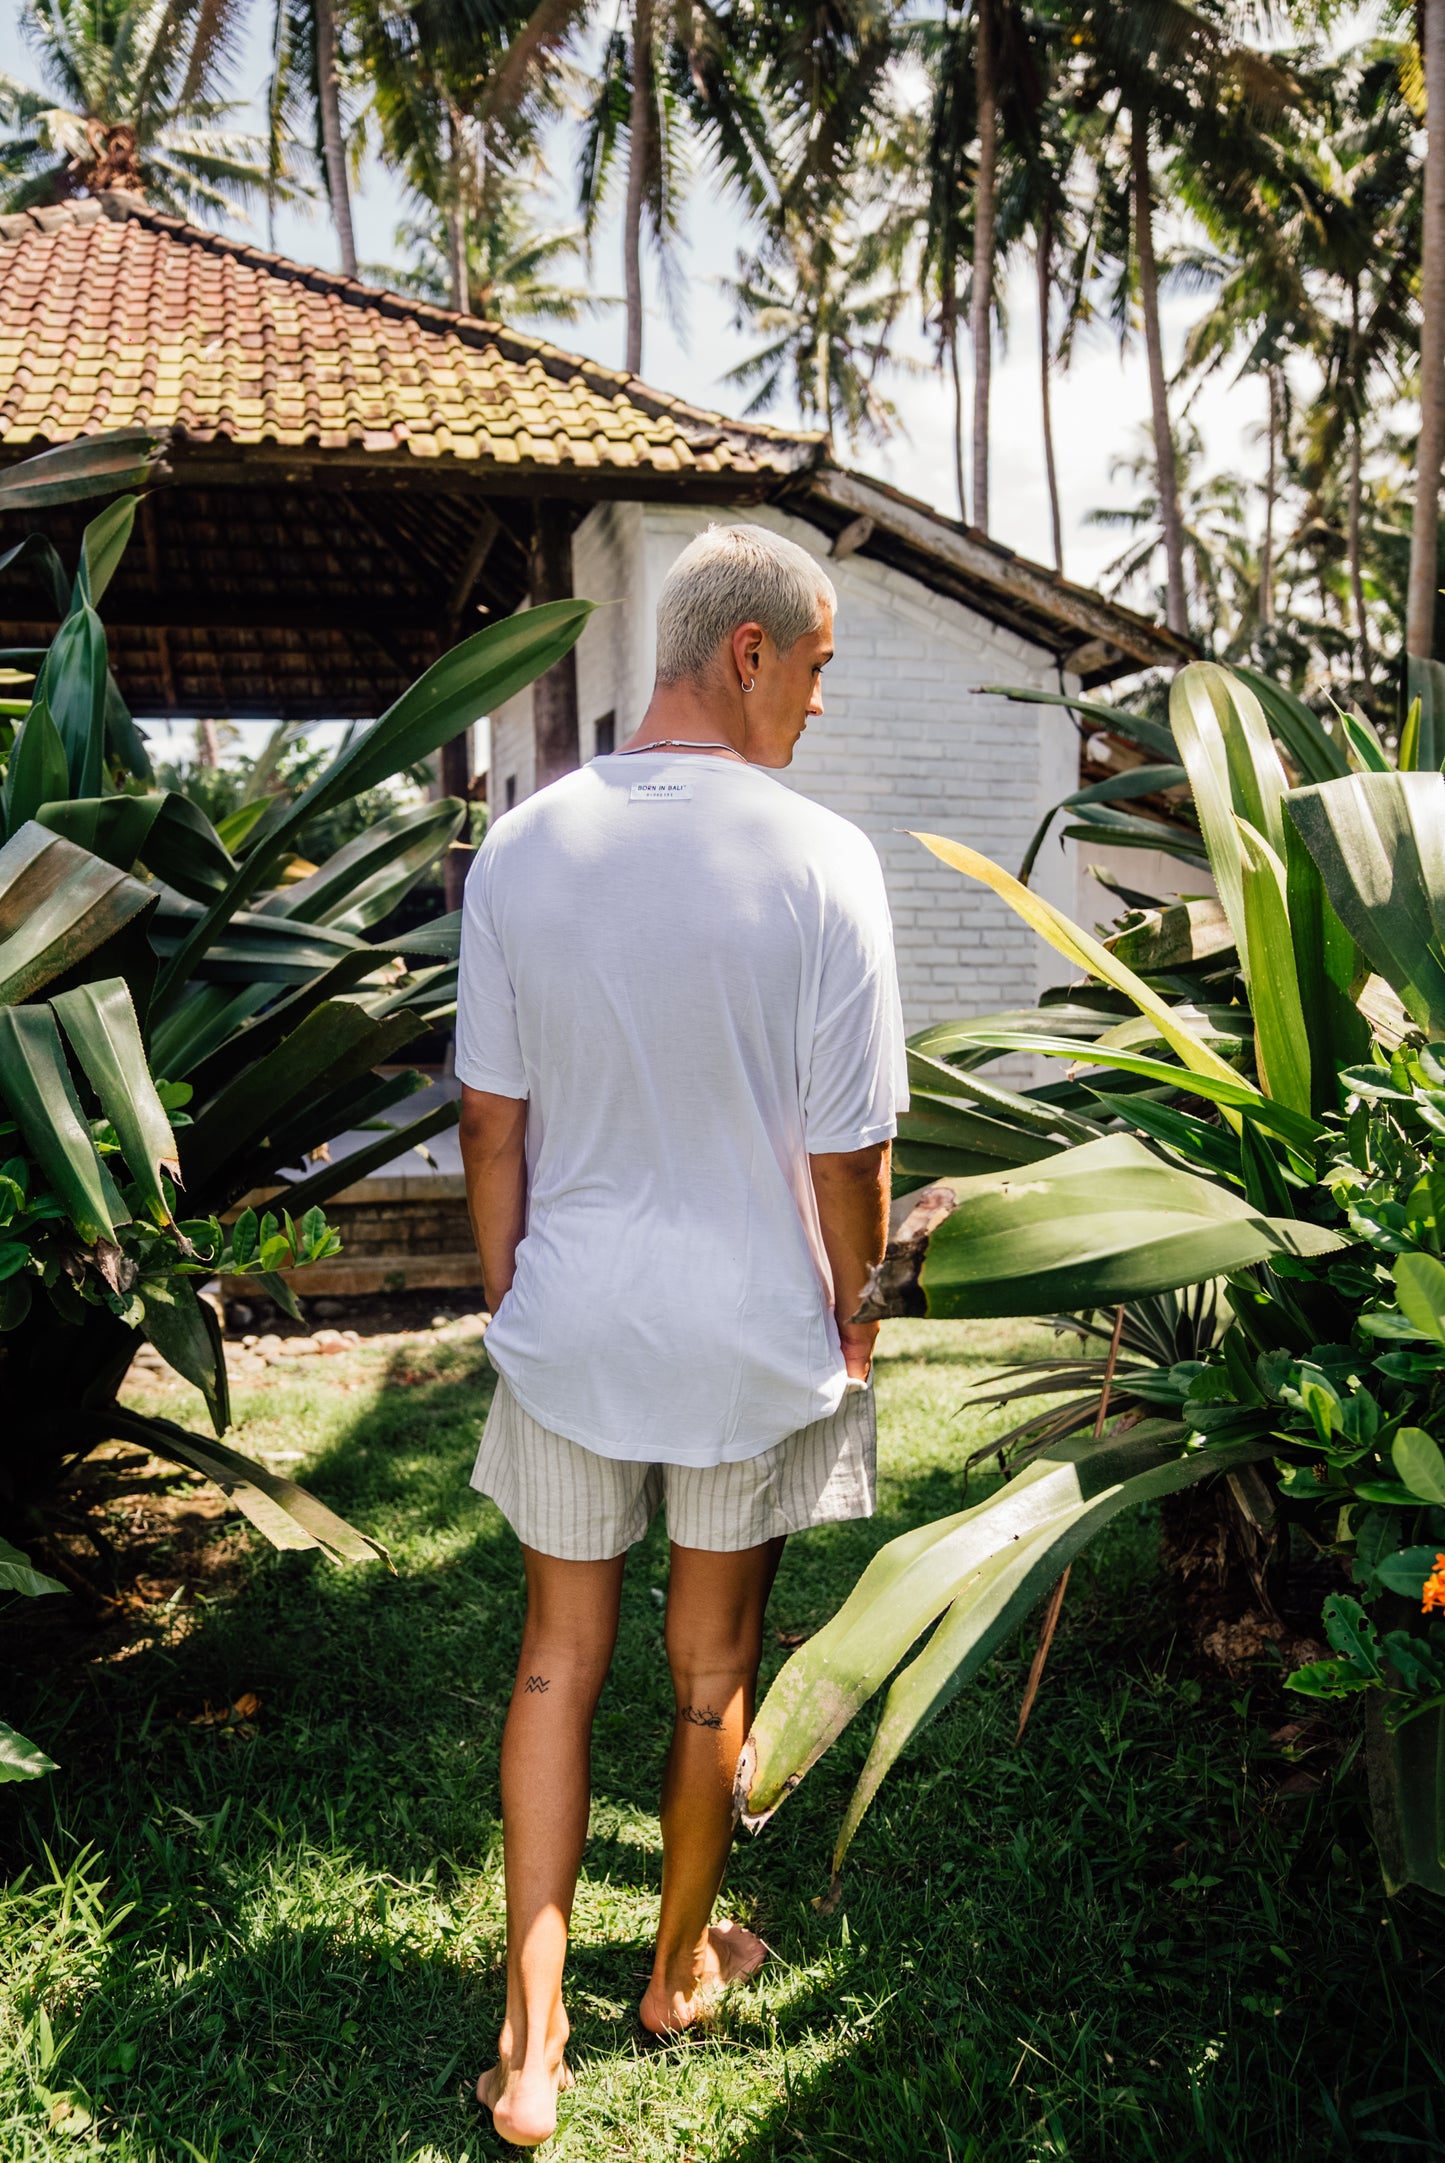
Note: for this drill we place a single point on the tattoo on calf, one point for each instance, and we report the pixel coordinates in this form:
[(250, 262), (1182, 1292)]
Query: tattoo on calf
[(536, 1684), (700, 1716)]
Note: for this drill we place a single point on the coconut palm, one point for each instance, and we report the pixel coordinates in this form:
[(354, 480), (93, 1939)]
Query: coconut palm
[(129, 98), (311, 100), (1424, 544), (511, 265)]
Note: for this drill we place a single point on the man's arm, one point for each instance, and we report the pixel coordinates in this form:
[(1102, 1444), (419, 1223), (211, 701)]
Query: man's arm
[(493, 1135), (852, 1188)]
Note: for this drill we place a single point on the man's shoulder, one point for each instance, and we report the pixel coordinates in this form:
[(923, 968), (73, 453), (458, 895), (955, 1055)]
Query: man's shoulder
[(823, 832)]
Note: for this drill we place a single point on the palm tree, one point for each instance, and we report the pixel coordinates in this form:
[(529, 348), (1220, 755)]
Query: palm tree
[(510, 263), (1424, 543), (130, 102), (309, 71), (1220, 565)]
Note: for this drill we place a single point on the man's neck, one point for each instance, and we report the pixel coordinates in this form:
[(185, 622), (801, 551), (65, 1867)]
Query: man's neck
[(682, 713)]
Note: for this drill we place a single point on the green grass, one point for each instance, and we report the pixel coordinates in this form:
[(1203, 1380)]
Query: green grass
[(1116, 1942)]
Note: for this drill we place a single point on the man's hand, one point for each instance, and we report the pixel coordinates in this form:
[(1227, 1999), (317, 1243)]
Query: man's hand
[(493, 1135), (852, 1189)]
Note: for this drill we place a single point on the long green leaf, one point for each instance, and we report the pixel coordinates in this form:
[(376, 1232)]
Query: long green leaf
[(1091, 1227), (363, 881), (1378, 840), (1175, 938), (1316, 755), (942, 1123), (1281, 1041), (184, 849), (344, 1172), (184, 1330), (1114, 788), (101, 1024), (1234, 769), (246, 1039), (287, 1514), (112, 827), (58, 904), (1086, 953), (935, 1078), (37, 772), (255, 947), (472, 679), (1328, 965), (996, 1596), (35, 1086), (91, 466), (1425, 686), (102, 545), (1151, 736), (75, 679)]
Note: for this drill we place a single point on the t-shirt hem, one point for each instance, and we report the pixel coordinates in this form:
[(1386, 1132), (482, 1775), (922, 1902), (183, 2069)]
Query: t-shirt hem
[(619, 1455)]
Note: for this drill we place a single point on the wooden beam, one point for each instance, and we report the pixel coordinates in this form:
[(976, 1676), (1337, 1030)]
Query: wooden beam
[(554, 696), (473, 564)]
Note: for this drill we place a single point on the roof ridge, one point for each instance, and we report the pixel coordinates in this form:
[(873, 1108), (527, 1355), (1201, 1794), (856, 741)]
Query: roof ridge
[(120, 204)]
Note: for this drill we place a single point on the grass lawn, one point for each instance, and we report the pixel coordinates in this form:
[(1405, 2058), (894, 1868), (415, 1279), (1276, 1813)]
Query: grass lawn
[(285, 1942)]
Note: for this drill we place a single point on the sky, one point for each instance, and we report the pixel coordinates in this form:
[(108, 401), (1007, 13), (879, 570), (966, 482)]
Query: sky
[(1099, 405)]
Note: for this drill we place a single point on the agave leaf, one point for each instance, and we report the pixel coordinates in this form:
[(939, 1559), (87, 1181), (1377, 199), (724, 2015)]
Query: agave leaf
[(1114, 788), (111, 827), (364, 881), (1364, 741), (1175, 938), (343, 1172), (37, 551), (1091, 1227), (202, 1019), (1109, 828), (58, 904), (185, 850), (1328, 966), (127, 745), (101, 1025), (1281, 1041), (37, 771), (1378, 840), (942, 1122), (442, 936), (35, 1086), (287, 1514), (934, 1078), (1316, 755), (1234, 768), (470, 680), (75, 678), (1135, 728), (184, 1330), (998, 1593), (1086, 953), (254, 947), (21, 1759), (1425, 689), (102, 545), (91, 466), (245, 1039)]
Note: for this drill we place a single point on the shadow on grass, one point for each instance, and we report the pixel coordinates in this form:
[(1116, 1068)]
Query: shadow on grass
[(1118, 1942)]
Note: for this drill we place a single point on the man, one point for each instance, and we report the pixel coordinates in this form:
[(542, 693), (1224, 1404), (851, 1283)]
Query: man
[(679, 1036)]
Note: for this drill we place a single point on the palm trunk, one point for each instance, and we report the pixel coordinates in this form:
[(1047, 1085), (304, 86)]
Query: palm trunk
[(1045, 254), (957, 419), (1424, 572), (1271, 489), (1166, 471), (328, 93), (985, 213), (1357, 582), (639, 136), (458, 283)]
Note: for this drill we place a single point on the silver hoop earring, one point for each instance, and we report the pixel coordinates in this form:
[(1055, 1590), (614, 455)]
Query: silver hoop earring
[(747, 686)]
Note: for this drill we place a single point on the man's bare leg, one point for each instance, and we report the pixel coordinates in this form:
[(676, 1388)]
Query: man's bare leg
[(715, 1607), (567, 1643)]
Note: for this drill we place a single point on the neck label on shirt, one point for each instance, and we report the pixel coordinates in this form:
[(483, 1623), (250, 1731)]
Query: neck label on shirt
[(660, 792)]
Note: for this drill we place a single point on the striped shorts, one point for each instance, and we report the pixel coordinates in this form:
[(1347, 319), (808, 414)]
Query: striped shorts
[(569, 1502)]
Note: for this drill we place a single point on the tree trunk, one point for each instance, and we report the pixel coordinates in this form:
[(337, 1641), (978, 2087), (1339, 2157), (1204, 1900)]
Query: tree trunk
[(1424, 572), (1357, 582), (554, 696), (1271, 489), (957, 419), (328, 92), (1045, 255), (461, 298), (639, 138), (455, 776), (1166, 472), (985, 210)]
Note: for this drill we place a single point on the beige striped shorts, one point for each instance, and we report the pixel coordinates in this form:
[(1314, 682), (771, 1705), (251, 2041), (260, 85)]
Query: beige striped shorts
[(568, 1502)]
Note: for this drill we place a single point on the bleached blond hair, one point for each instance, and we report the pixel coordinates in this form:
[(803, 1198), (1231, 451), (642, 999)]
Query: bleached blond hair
[(731, 575)]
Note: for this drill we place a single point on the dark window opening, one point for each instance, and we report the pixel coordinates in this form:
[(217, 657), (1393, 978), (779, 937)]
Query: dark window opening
[(606, 735), (511, 791)]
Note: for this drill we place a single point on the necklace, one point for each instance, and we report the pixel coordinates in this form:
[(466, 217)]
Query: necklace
[(680, 743)]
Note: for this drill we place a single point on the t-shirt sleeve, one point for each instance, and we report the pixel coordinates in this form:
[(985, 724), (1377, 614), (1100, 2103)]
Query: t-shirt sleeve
[(858, 1074), (488, 1048)]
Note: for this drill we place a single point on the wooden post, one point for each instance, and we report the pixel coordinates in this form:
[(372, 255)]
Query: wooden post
[(554, 696)]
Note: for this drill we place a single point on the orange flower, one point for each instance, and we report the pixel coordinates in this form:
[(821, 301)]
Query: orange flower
[(1434, 1592)]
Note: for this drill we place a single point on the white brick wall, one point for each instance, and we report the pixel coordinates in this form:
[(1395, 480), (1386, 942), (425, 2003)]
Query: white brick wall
[(906, 741)]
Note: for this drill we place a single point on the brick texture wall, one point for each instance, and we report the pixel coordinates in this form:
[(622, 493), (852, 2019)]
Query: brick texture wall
[(908, 740)]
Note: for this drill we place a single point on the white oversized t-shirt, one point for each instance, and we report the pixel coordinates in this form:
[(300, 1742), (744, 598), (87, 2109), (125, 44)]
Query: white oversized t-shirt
[(687, 970)]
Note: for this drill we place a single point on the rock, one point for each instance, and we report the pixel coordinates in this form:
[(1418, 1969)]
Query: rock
[(439, 1321), (298, 1347), (330, 1340), (248, 1344), (269, 1344)]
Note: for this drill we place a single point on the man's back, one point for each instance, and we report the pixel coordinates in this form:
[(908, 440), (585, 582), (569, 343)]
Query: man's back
[(687, 970)]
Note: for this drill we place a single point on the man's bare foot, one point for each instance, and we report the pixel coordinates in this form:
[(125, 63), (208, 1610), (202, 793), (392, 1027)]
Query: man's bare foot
[(523, 2099), (729, 1954)]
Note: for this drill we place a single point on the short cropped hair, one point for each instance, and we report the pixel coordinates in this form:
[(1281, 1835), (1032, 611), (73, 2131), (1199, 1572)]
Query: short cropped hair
[(731, 575)]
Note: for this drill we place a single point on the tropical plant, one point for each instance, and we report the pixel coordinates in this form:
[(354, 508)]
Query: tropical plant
[(183, 1021), (132, 101), (511, 264), (1285, 1151)]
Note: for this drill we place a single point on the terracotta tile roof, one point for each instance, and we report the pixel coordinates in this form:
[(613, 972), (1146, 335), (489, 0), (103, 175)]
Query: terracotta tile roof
[(111, 313)]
